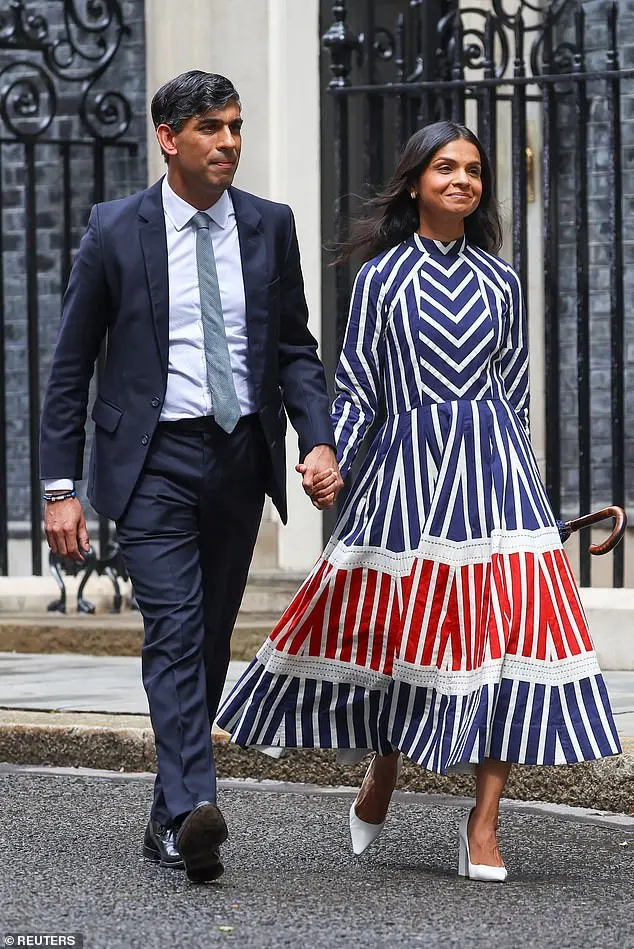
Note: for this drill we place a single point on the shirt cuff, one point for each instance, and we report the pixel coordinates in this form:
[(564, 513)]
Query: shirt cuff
[(59, 484)]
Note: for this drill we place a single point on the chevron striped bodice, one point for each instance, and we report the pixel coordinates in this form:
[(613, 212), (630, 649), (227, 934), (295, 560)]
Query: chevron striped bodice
[(430, 323), (461, 324)]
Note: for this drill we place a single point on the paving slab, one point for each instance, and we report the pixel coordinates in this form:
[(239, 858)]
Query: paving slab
[(72, 863), (113, 684), (79, 683)]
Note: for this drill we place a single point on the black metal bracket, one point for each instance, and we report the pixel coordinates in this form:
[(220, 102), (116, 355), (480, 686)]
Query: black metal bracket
[(111, 566)]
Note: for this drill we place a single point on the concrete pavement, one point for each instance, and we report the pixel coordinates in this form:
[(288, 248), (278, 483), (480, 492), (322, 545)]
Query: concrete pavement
[(113, 685), (71, 863), (81, 683)]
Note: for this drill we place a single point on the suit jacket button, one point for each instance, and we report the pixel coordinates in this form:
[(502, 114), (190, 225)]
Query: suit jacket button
[(156, 402), (145, 440)]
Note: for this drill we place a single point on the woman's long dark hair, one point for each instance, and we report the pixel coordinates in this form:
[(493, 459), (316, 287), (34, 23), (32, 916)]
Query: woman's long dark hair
[(394, 214)]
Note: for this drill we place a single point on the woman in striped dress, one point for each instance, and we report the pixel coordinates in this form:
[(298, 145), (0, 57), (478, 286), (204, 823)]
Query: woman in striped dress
[(442, 621)]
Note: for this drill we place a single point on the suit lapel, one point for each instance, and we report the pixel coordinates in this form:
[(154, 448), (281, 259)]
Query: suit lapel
[(254, 271), (154, 247), (255, 277)]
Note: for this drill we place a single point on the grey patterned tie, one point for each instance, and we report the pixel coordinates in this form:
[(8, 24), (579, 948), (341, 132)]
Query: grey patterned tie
[(225, 405)]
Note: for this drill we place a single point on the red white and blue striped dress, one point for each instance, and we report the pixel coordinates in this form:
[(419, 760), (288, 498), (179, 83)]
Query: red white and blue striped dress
[(442, 618)]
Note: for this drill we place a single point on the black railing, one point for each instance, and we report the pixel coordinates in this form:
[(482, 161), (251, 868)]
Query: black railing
[(498, 70), (48, 61)]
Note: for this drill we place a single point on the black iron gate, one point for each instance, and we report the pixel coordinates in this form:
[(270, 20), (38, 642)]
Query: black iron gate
[(62, 148), (553, 71)]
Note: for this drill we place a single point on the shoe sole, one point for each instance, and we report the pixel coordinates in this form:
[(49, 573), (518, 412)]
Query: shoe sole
[(202, 831), (155, 857)]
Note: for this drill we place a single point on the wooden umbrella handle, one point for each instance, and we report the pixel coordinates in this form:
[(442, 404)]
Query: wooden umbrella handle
[(620, 523)]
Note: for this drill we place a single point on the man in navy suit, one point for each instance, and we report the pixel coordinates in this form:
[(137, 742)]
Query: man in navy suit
[(198, 290)]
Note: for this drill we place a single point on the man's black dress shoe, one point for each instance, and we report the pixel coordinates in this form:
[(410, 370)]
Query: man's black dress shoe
[(159, 844), (198, 842)]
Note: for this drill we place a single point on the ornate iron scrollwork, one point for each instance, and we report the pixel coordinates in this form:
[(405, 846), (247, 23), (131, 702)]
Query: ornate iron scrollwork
[(28, 100), (467, 38), (78, 49), (383, 44), (465, 46), (490, 50)]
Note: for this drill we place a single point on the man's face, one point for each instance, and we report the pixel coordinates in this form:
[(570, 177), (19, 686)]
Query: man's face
[(207, 148)]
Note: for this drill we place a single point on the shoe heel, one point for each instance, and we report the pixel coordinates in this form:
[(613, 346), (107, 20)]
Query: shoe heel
[(463, 859), (150, 854), (480, 872)]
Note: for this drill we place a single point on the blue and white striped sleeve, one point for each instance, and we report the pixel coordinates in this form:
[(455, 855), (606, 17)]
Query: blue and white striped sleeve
[(514, 365), (358, 375)]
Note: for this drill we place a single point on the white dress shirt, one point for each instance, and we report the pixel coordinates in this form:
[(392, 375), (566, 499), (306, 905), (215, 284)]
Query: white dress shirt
[(187, 394)]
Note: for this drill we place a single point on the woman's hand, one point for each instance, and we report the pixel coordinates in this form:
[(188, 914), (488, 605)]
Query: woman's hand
[(322, 483)]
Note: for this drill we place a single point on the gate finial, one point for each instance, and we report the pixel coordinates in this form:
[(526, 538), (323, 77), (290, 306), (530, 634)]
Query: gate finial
[(342, 43)]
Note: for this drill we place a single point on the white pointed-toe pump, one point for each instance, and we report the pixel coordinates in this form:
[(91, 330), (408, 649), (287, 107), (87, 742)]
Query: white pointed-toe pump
[(362, 833), (475, 871)]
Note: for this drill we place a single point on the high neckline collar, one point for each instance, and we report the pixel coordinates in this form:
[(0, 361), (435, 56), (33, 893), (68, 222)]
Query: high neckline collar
[(442, 249)]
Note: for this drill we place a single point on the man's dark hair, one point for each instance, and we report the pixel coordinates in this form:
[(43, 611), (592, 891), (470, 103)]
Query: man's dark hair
[(190, 94)]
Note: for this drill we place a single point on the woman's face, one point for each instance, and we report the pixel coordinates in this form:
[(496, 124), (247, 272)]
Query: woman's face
[(451, 185)]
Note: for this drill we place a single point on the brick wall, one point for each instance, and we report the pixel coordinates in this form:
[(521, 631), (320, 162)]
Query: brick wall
[(123, 174), (600, 238)]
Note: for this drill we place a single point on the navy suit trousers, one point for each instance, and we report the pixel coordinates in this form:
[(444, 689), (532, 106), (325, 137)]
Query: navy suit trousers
[(187, 537)]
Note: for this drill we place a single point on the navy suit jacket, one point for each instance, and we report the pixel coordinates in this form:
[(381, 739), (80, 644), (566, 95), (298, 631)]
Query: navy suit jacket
[(118, 289)]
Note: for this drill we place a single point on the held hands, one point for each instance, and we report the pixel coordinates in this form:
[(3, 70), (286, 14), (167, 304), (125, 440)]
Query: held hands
[(65, 527), (320, 477)]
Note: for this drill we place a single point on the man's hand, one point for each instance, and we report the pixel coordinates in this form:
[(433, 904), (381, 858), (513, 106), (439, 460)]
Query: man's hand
[(66, 530), (320, 476)]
